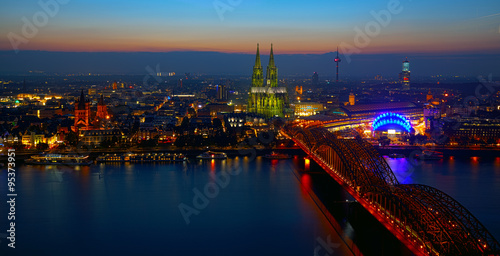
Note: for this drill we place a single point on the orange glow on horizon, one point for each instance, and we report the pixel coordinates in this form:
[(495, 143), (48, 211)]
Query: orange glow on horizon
[(282, 45)]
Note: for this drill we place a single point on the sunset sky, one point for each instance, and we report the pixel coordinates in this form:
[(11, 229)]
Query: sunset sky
[(421, 26)]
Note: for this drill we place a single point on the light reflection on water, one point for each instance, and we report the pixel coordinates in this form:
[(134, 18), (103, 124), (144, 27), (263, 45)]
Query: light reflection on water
[(401, 168), (113, 209)]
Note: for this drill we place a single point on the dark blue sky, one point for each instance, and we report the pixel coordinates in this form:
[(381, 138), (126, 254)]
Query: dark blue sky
[(440, 37), (294, 26)]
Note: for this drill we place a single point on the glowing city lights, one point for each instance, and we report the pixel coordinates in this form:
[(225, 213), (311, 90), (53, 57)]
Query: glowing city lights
[(391, 118)]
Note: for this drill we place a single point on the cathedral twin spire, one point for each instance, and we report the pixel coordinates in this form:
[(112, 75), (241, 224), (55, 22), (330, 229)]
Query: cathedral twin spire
[(257, 58), (271, 74), (266, 98), (271, 58)]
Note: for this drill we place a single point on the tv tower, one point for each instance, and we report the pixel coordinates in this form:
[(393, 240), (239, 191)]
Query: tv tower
[(337, 60)]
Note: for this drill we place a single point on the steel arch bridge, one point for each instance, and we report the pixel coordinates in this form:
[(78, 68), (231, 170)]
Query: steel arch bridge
[(425, 219)]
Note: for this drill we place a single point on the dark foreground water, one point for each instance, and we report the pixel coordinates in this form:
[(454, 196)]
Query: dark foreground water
[(237, 206), (130, 209)]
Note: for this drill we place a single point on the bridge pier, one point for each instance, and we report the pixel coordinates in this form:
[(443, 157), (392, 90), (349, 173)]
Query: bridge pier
[(361, 232)]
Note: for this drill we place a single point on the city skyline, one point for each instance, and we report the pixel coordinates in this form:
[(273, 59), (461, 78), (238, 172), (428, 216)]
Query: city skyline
[(250, 127)]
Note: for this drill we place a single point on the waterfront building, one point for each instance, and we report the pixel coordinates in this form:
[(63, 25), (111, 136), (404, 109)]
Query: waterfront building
[(33, 138), (307, 108), (96, 137), (487, 130)]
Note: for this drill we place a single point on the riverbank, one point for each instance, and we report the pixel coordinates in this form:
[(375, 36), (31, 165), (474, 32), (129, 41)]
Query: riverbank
[(447, 152), (189, 152), (261, 150)]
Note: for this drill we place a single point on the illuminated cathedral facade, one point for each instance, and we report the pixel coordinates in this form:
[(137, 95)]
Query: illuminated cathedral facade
[(266, 97), (85, 118)]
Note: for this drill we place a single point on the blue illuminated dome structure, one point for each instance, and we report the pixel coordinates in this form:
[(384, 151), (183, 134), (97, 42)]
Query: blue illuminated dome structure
[(391, 121)]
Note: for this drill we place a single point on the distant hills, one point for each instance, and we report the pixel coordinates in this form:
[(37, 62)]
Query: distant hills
[(217, 63)]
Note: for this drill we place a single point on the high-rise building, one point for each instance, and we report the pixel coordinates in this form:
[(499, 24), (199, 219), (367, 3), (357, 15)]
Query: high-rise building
[(315, 79), (115, 85), (221, 93), (404, 76), (266, 99)]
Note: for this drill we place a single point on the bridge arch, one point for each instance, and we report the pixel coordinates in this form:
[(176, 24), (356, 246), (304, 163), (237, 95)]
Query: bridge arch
[(466, 232), (430, 221)]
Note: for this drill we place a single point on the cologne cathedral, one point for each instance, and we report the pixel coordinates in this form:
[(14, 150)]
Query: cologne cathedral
[(265, 97)]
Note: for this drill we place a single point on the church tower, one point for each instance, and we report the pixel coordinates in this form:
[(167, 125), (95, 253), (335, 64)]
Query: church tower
[(102, 111), (257, 76), (272, 71), (82, 114), (257, 81)]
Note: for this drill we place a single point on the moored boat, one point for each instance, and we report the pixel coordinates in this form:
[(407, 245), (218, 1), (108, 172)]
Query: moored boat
[(212, 155), (429, 155), (141, 157), (58, 159), (395, 155)]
